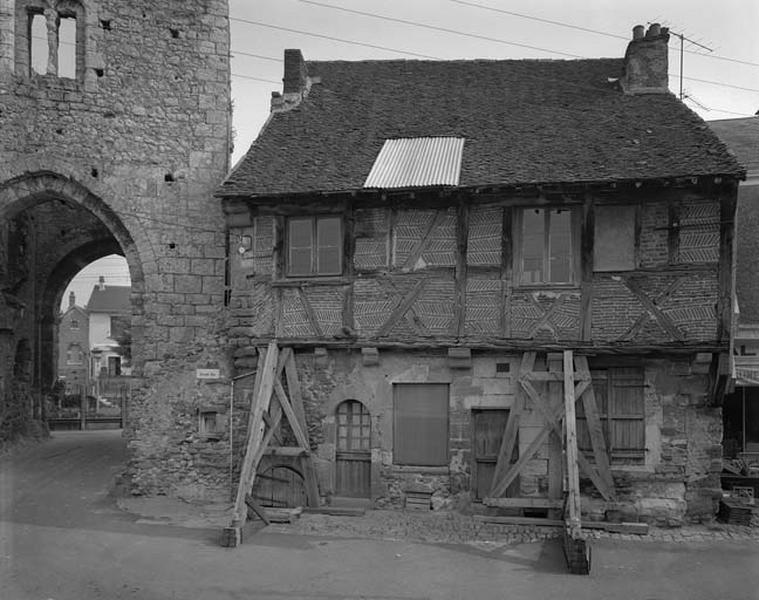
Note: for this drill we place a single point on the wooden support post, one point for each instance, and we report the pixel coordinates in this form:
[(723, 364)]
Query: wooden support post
[(576, 546), (261, 402), (555, 454), (572, 515), (296, 399)]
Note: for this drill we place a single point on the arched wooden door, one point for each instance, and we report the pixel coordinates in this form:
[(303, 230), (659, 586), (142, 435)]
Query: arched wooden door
[(280, 486), (353, 450)]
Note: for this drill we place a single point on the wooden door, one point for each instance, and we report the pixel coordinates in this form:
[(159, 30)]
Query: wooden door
[(280, 486), (353, 450), (489, 425)]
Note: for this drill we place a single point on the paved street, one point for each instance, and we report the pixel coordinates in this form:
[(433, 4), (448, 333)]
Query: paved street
[(63, 537)]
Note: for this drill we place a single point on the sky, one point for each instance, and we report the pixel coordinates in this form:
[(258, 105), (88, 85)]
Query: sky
[(719, 83)]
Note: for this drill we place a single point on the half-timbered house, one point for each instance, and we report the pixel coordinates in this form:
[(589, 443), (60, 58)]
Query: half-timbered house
[(447, 247)]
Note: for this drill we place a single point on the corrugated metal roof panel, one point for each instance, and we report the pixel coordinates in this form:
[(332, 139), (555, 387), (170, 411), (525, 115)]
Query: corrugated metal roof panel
[(417, 162)]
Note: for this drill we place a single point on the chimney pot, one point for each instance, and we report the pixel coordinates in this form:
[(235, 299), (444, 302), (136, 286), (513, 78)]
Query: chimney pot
[(654, 31), (646, 62), (72, 299), (101, 283)]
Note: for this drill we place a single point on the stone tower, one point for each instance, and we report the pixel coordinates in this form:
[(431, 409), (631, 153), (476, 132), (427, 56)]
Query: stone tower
[(115, 129)]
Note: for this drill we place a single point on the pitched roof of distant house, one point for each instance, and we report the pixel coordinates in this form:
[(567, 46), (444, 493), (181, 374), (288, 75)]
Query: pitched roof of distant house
[(523, 122), (73, 311), (742, 137), (111, 299)]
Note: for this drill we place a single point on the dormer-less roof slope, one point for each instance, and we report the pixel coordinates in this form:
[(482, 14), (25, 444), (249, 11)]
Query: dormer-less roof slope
[(523, 121), (742, 137), (110, 299)]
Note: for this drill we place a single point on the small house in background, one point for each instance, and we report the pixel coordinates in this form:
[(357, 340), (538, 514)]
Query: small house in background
[(74, 347), (741, 409), (109, 311), (430, 237)]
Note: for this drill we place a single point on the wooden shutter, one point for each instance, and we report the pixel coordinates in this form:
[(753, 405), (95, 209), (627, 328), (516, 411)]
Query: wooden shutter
[(620, 401), (420, 424)]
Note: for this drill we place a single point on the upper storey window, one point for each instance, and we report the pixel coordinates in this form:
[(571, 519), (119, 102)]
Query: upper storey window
[(50, 38), (314, 246), (546, 246)]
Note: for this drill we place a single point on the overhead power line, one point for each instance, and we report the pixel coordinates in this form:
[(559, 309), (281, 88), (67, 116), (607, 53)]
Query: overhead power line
[(441, 29), (541, 20), (330, 38), (595, 31)]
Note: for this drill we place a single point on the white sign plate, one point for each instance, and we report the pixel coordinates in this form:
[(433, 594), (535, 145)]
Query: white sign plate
[(208, 373)]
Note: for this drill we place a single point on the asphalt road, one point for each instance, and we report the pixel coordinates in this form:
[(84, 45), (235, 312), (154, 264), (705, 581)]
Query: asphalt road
[(62, 537)]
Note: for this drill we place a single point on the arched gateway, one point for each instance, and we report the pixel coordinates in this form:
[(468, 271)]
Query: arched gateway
[(113, 154)]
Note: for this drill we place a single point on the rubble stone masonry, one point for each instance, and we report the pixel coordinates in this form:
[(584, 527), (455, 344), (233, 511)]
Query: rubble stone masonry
[(122, 157)]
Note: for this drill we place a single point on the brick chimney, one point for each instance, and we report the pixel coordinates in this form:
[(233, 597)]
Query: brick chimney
[(296, 82), (646, 61), (72, 299)]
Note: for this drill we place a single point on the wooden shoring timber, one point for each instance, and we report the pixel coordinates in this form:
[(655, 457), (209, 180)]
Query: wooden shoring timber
[(263, 427), (261, 400), (505, 474), (555, 397), (296, 399), (511, 433), (572, 511), (595, 428), (554, 418)]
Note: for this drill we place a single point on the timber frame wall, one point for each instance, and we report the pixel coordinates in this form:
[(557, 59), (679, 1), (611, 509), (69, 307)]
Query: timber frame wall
[(437, 269), (428, 295)]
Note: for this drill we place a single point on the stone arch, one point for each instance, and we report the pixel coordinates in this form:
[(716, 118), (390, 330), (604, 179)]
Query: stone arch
[(24, 191), (105, 234)]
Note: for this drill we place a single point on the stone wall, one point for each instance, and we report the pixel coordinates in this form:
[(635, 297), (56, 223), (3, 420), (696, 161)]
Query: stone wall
[(676, 481), (134, 144)]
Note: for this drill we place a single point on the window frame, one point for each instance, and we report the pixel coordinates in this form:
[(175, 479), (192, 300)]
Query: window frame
[(574, 247), (443, 460), (314, 247), (24, 13), (74, 354)]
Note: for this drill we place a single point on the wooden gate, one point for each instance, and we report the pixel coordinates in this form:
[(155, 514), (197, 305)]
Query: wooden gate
[(489, 425), (280, 486), (353, 450)]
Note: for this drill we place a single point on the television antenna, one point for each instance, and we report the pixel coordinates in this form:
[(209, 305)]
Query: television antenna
[(683, 39)]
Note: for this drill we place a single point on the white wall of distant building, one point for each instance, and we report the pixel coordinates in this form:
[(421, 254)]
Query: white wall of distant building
[(113, 268)]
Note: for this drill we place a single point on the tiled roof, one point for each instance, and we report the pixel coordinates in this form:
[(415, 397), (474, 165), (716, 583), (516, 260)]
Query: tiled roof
[(747, 266), (524, 121), (112, 299), (742, 137)]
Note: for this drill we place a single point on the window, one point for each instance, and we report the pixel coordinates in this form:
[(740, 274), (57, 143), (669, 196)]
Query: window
[(354, 427), (38, 53), (74, 324), (67, 46), (74, 355), (620, 402), (51, 41), (315, 246), (614, 242), (545, 246), (420, 424), (114, 366), (211, 424)]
